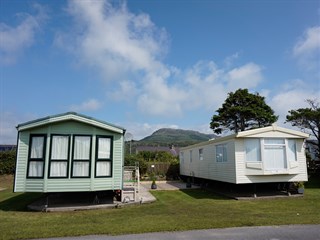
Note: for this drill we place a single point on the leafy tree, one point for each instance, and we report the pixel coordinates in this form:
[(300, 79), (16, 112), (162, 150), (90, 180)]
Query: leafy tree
[(242, 111), (307, 119)]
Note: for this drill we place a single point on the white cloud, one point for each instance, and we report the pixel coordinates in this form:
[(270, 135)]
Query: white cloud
[(248, 75), (127, 49), (229, 60), (14, 40), (112, 39), (89, 105), (292, 95), (307, 49)]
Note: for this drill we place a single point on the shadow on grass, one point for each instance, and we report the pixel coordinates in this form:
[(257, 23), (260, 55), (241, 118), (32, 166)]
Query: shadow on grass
[(203, 194), (314, 181), (19, 202)]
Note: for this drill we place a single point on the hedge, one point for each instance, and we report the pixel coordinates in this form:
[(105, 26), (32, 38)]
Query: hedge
[(7, 162)]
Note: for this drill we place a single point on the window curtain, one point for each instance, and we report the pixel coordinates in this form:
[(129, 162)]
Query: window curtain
[(103, 168), (80, 169), (35, 169), (104, 148), (292, 150), (81, 148), (253, 152), (59, 148), (274, 157), (58, 169), (37, 147)]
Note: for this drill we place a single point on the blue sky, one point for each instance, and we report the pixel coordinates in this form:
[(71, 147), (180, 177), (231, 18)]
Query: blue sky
[(148, 64)]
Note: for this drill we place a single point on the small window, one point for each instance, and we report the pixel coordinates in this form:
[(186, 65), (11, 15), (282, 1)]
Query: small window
[(190, 155), (37, 153), (201, 154), (104, 156), (292, 150), (181, 157), (59, 156), (221, 153), (81, 156)]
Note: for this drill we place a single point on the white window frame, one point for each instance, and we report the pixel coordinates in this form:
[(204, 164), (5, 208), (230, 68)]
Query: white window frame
[(289, 146)]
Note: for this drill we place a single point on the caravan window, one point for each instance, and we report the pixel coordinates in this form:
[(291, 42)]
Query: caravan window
[(201, 154), (181, 157), (274, 152), (59, 156), (81, 156), (37, 153), (104, 156), (221, 153), (253, 152)]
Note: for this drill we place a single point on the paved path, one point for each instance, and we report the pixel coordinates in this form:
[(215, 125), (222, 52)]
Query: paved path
[(167, 185), (290, 232)]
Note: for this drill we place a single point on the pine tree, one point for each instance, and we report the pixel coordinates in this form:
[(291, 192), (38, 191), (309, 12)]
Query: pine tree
[(242, 111)]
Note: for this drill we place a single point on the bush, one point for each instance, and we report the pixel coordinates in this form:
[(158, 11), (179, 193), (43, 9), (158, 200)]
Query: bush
[(164, 164), (7, 162)]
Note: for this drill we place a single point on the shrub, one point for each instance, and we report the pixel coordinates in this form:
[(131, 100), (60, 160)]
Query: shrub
[(7, 162)]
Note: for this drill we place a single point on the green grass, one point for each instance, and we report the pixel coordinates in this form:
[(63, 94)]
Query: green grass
[(173, 211)]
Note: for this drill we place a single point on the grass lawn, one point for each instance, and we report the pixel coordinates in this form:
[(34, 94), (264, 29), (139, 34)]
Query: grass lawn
[(173, 211)]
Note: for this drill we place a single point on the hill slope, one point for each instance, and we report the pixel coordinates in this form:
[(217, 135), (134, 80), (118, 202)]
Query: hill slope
[(176, 137)]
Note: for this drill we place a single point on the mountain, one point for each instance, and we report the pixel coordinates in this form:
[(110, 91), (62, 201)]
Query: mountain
[(176, 137)]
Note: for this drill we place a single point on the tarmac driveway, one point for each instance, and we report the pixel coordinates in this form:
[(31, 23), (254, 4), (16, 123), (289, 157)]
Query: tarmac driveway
[(289, 232)]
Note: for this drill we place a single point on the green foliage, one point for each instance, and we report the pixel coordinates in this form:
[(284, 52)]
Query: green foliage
[(307, 119), (7, 162), (242, 111), (165, 164)]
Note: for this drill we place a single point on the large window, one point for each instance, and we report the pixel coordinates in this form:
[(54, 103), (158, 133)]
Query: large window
[(221, 153), (59, 156), (273, 151), (37, 152), (81, 156), (104, 156)]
